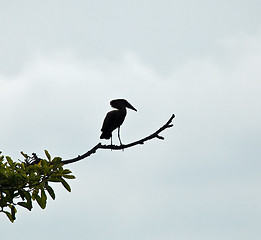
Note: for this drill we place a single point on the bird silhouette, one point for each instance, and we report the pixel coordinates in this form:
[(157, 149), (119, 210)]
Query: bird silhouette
[(115, 118)]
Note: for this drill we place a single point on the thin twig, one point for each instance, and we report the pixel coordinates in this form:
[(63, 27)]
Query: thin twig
[(120, 147)]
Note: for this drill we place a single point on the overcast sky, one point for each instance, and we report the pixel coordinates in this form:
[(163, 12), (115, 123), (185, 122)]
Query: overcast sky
[(61, 62)]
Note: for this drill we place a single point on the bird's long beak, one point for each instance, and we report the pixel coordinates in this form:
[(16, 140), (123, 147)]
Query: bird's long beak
[(131, 107)]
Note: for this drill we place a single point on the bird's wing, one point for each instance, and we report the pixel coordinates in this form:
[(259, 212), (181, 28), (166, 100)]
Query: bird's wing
[(110, 121)]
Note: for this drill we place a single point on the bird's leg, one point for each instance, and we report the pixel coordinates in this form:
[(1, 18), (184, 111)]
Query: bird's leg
[(111, 143), (119, 137)]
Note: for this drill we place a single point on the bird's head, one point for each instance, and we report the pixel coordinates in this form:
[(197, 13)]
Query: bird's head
[(121, 103)]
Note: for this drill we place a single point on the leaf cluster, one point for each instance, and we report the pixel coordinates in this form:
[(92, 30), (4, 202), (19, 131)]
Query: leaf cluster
[(26, 181)]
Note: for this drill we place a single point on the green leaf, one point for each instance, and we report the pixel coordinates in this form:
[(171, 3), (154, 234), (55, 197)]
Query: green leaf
[(41, 202), (24, 154), (69, 176), (54, 180), (57, 159), (21, 193), (66, 171), (27, 196), (29, 200), (47, 155), (35, 193), (51, 192), (43, 196), (10, 161), (9, 215), (44, 164), (13, 211), (3, 202), (25, 205), (66, 185)]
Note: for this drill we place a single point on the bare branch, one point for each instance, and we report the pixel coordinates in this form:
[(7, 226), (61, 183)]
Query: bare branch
[(121, 147)]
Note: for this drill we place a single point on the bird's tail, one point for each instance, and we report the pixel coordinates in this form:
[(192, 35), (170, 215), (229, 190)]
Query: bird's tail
[(105, 135)]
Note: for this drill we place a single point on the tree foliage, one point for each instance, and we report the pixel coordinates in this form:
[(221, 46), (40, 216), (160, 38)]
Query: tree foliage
[(30, 180)]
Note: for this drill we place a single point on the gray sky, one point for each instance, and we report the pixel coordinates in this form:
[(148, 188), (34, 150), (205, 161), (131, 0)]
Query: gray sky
[(61, 63)]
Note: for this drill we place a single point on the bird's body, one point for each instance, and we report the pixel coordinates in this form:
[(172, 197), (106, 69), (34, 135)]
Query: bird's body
[(115, 118)]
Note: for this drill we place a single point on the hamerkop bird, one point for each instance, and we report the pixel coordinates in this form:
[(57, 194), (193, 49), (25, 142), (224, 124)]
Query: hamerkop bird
[(115, 118)]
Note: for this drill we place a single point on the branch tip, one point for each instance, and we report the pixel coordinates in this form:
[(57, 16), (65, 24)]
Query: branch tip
[(159, 137)]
